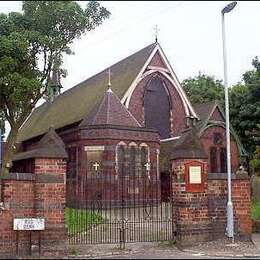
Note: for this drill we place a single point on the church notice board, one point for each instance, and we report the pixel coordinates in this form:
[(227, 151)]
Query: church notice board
[(194, 176)]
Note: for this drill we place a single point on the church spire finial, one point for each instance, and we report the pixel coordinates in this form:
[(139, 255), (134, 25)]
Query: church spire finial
[(156, 30), (109, 79)]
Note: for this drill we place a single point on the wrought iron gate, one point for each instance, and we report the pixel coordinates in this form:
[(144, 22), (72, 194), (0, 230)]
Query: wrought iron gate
[(118, 209)]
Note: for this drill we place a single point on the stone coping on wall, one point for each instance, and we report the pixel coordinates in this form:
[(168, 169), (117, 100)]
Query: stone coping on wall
[(21, 176), (223, 176), (41, 178)]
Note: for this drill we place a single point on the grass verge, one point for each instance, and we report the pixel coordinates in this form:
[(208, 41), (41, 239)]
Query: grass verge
[(79, 220)]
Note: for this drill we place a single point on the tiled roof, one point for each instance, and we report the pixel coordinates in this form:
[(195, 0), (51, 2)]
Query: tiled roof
[(50, 146), (74, 104), (110, 111), (188, 146)]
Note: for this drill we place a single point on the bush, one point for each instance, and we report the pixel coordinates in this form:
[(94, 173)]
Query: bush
[(255, 210)]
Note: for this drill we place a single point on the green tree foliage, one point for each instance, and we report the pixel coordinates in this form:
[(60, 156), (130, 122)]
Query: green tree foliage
[(203, 88), (31, 42), (245, 107)]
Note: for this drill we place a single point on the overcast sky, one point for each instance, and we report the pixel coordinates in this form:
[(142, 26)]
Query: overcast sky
[(189, 33)]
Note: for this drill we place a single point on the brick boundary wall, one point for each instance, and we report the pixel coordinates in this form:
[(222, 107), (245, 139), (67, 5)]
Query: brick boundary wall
[(241, 198), (201, 216), (191, 212), (37, 194)]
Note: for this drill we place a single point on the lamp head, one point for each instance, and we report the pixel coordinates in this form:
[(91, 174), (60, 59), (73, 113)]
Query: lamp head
[(229, 7)]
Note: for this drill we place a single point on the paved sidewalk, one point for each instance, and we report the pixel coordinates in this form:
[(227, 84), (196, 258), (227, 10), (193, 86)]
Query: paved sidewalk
[(220, 248), (256, 240)]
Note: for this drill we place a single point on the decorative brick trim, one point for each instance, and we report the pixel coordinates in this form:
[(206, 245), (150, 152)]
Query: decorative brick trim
[(19, 176), (49, 178), (223, 176)]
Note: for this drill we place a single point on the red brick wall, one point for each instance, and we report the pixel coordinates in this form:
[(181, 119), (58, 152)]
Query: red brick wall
[(241, 198), (207, 140), (157, 61), (107, 187), (216, 116), (19, 202), (50, 196), (201, 216), (38, 194), (7, 235), (191, 213)]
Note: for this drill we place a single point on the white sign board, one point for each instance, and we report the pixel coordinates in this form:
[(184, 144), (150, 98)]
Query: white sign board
[(94, 148), (29, 224), (195, 174)]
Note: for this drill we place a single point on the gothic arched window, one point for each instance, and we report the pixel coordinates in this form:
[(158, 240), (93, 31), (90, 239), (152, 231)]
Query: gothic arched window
[(223, 160), (144, 159), (213, 159), (132, 160), (121, 159), (157, 107)]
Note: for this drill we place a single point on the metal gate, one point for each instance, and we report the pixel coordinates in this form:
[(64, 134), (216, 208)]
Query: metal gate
[(105, 208)]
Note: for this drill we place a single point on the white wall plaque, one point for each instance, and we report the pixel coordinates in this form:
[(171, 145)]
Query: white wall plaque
[(195, 174), (29, 224), (94, 148), (133, 190)]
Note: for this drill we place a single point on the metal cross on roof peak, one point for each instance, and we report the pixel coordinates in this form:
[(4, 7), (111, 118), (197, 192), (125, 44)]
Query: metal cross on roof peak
[(156, 31)]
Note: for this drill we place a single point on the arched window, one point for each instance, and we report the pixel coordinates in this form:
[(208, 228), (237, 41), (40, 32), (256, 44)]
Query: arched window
[(157, 107), (121, 160), (213, 159), (121, 150), (223, 160), (144, 159), (132, 160)]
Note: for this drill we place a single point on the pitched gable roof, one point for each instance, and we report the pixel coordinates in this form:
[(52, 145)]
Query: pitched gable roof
[(110, 111), (204, 109), (74, 104), (188, 146), (205, 112), (50, 146)]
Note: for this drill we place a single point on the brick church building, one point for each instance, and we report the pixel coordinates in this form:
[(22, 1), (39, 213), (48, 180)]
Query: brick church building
[(133, 128)]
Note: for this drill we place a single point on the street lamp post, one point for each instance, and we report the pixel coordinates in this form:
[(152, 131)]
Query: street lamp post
[(230, 218)]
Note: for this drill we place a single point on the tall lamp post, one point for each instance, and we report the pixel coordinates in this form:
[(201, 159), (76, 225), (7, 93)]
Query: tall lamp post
[(230, 218)]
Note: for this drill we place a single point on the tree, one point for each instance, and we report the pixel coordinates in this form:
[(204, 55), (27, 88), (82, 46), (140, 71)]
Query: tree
[(245, 107), (31, 43), (2, 124), (203, 88)]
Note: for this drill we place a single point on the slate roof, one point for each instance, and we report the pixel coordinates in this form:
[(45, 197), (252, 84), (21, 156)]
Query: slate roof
[(50, 146), (204, 111), (74, 104), (110, 111), (188, 146)]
